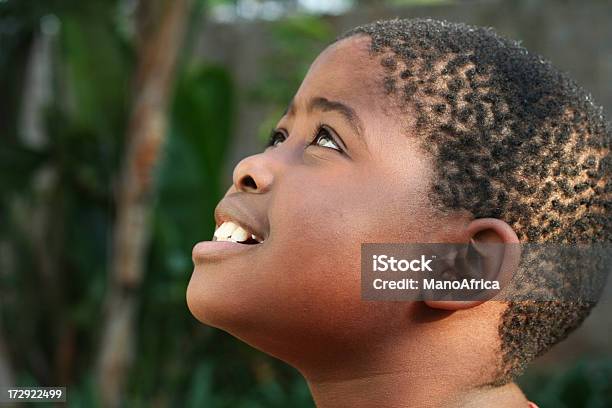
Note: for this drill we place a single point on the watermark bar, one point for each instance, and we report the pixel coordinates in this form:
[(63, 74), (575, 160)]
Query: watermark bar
[(477, 271)]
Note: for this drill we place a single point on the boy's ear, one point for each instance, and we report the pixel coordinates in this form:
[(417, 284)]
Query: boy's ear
[(492, 252)]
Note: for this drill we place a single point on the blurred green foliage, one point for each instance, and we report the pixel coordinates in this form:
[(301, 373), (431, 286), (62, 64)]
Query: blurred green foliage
[(52, 324), (297, 42)]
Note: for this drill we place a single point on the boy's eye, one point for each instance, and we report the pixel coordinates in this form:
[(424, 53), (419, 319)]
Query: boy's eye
[(324, 139), (276, 138)]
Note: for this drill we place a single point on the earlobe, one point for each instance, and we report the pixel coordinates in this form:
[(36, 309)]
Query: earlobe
[(493, 252)]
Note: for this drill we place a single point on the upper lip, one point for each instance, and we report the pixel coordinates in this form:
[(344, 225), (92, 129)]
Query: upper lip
[(239, 211)]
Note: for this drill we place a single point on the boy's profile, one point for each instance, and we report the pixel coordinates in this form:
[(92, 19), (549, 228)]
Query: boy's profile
[(406, 131)]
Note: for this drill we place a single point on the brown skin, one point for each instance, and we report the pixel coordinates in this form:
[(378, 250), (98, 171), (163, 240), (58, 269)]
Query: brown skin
[(297, 295)]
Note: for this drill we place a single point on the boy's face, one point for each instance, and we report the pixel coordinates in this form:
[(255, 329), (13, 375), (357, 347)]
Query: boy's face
[(298, 292)]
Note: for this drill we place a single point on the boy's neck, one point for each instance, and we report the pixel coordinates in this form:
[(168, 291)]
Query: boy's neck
[(439, 362), (395, 390)]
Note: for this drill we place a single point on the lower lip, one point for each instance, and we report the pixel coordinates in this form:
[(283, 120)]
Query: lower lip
[(215, 250)]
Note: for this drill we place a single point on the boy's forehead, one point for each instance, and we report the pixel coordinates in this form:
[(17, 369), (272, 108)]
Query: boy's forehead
[(344, 71)]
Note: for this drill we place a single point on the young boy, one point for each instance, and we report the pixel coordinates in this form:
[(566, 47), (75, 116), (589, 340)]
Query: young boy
[(406, 131)]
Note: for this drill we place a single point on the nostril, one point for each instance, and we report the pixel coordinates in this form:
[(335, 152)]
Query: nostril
[(248, 182)]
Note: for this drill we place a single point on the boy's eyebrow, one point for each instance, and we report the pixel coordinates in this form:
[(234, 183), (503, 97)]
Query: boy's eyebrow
[(326, 105)]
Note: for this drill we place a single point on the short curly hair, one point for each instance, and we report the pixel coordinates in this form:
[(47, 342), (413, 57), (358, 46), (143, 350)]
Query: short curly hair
[(514, 139)]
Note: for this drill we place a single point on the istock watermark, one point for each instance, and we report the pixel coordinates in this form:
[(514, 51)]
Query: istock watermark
[(382, 263), (483, 271)]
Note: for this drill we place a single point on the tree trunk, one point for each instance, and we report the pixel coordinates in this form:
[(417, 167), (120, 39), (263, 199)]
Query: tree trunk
[(159, 40)]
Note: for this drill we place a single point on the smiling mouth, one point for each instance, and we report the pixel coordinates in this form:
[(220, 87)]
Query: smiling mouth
[(232, 232)]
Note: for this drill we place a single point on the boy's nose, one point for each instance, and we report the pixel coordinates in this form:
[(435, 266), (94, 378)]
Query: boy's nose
[(253, 175)]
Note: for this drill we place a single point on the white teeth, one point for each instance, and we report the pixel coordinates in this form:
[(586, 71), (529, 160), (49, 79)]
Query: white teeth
[(225, 230), (228, 231), (239, 235)]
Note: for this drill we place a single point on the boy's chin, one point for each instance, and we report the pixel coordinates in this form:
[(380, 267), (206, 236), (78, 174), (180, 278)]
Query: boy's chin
[(211, 306), (232, 308), (230, 315)]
